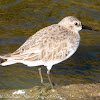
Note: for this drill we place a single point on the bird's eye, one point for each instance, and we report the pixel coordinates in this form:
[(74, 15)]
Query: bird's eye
[(76, 23)]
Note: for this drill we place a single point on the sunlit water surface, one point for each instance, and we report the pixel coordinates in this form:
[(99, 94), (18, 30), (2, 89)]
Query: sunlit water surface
[(20, 19)]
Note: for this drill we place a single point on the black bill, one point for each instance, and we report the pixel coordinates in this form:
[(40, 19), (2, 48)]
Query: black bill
[(89, 28)]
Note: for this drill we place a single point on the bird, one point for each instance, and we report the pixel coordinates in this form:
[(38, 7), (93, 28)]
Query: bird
[(48, 46)]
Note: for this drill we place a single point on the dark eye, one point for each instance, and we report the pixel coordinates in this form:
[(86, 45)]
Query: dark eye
[(76, 23)]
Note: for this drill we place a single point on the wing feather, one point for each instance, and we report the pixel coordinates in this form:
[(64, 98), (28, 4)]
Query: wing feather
[(47, 44)]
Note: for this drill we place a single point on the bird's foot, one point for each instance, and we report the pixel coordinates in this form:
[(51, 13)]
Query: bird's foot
[(49, 85)]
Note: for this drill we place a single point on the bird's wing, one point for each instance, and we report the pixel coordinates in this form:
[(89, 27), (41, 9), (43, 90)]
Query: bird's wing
[(51, 51), (46, 44)]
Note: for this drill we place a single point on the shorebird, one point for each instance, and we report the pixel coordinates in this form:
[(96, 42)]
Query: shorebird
[(49, 46)]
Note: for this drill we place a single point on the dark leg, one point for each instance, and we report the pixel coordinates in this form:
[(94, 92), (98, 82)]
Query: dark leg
[(46, 84), (40, 75), (48, 73)]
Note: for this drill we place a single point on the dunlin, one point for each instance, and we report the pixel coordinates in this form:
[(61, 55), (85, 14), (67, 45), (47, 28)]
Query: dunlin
[(49, 46)]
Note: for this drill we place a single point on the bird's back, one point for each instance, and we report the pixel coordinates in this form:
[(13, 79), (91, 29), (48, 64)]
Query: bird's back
[(51, 43)]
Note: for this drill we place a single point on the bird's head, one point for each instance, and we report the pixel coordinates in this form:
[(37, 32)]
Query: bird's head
[(73, 24)]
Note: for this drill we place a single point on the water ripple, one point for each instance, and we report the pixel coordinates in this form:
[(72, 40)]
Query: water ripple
[(11, 4)]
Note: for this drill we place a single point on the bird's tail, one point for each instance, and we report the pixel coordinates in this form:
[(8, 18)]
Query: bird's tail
[(7, 60)]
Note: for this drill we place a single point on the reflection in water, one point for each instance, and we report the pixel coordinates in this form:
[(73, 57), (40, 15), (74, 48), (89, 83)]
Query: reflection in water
[(62, 2), (21, 19), (95, 14), (12, 40), (11, 4), (24, 25), (52, 19), (7, 27)]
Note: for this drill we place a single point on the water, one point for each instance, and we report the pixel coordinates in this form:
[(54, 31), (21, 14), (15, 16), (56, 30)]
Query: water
[(20, 19)]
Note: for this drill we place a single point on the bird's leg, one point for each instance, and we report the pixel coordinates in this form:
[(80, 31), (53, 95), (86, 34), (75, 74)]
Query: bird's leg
[(40, 75), (48, 73)]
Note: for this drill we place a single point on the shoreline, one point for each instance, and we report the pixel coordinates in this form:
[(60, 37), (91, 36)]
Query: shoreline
[(69, 92)]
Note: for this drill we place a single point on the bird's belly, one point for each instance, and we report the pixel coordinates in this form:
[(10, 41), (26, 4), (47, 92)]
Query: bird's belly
[(71, 52), (60, 60)]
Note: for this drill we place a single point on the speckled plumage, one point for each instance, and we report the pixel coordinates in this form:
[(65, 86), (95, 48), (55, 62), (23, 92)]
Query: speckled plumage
[(49, 45)]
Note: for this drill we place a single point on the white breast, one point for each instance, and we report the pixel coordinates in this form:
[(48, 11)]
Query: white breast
[(72, 49)]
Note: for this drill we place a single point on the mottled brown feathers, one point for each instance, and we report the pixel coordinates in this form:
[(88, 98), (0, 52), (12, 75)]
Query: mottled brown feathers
[(50, 43)]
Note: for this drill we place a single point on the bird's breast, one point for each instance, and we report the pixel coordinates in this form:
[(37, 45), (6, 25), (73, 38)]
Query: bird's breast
[(73, 44)]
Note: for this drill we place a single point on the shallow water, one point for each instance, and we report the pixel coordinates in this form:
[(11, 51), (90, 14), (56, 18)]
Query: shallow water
[(22, 18)]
